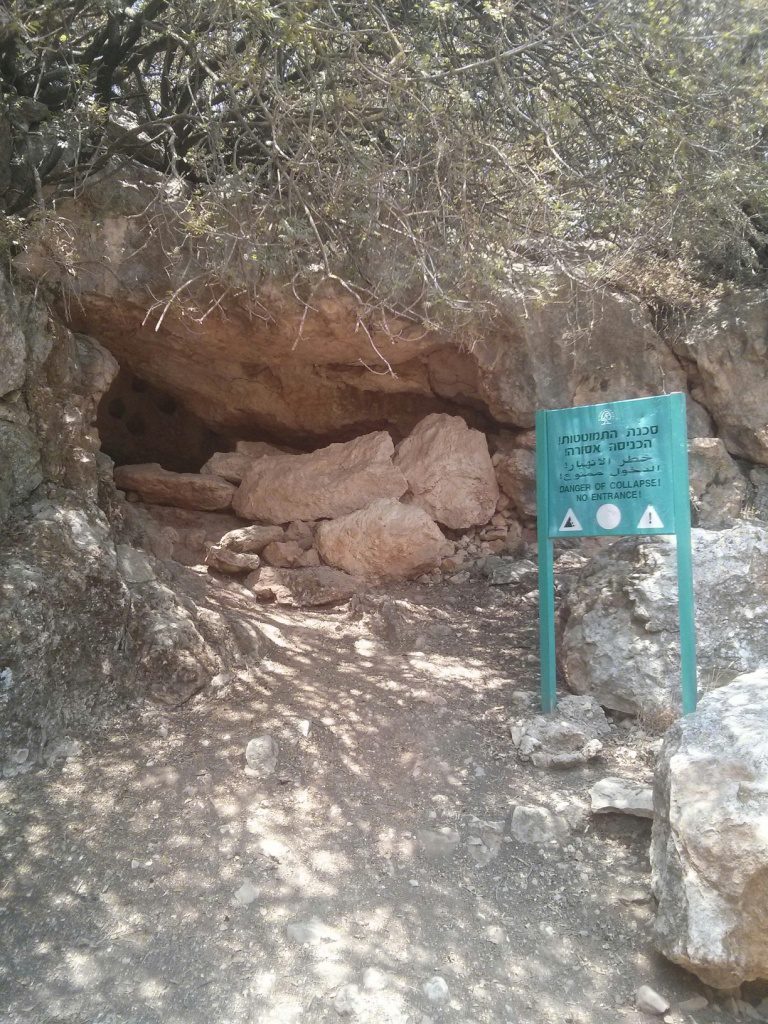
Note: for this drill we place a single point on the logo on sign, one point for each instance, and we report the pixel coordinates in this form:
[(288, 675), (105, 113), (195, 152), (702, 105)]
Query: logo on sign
[(606, 416)]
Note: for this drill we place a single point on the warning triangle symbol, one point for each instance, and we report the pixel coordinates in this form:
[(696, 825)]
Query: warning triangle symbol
[(571, 522), (650, 520)]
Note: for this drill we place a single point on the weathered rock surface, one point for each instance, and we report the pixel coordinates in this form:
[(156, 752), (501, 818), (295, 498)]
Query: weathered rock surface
[(516, 473), (718, 488), (225, 560), (386, 540), (182, 534), (322, 484), (533, 824), (289, 554), (312, 373), (759, 480), (566, 739), (234, 465), (251, 538), (620, 641), (303, 588), (621, 796), (729, 345), (709, 854), (261, 754), (449, 471), (160, 486)]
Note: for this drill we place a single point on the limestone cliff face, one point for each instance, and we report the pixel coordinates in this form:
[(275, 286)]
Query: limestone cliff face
[(328, 371), (84, 619)]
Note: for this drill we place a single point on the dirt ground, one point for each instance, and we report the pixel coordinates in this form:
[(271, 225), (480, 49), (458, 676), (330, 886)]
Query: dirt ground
[(147, 879)]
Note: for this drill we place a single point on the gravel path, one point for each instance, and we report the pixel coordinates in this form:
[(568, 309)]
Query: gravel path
[(372, 876)]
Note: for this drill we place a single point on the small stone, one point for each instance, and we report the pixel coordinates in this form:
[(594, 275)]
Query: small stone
[(436, 990), (532, 824), (375, 980), (304, 726), (693, 1004), (496, 935), (246, 894), (313, 932), (621, 796), (261, 753), (649, 1001), (413, 882), (438, 843), (347, 1000)]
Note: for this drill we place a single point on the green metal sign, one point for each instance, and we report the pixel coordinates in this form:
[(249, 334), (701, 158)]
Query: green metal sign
[(610, 470)]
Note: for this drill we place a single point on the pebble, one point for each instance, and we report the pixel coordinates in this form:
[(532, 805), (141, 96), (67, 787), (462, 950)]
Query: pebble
[(375, 980), (246, 894), (693, 1004), (261, 754), (532, 824), (649, 1001), (436, 990)]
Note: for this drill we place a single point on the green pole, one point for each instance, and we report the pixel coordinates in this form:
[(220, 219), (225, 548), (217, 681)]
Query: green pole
[(546, 572), (684, 556)]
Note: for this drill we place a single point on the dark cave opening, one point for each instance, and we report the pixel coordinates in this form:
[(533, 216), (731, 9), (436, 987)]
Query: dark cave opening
[(139, 422)]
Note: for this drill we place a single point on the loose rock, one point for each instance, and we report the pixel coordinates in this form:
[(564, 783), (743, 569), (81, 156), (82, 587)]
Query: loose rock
[(449, 471), (649, 1001), (621, 796), (323, 484), (570, 737), (532, 824), (436, 990), (387, 540), (181, 490), (261, 754)]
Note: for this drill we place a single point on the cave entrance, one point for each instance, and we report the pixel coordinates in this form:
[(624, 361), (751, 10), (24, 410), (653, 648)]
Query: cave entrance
[(139, 422)]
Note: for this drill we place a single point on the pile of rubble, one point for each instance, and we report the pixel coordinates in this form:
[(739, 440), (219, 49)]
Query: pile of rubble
[(436, 504)]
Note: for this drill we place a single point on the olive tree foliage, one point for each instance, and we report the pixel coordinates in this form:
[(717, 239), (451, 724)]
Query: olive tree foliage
[(414, 152)]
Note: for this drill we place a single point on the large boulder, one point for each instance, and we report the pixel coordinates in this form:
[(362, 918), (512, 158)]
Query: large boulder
[(709, 853), (729, 346), (234, 465), (718, 488), (387, 540), (323, 484), (160, 486), (449, 471), (620, 641)]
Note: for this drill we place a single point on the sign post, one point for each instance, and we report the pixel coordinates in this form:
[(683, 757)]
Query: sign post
[(616, 469)]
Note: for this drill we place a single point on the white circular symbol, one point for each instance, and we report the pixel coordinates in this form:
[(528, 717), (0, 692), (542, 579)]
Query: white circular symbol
[(608, 517), (606, 416)]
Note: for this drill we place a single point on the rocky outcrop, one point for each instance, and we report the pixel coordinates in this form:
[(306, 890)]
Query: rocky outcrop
[(729, 348), (322, 484), (718, 488), (620, 641), (709, 854), (329, 369), (449, 472), (160, 486), (386, 540)]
